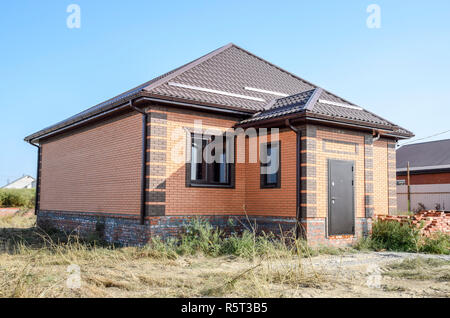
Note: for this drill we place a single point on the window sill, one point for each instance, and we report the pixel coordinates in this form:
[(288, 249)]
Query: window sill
[(225, 186), (271, 187)]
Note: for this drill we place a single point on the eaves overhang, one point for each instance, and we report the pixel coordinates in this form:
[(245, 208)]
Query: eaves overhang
[(305, 117), (123, 103)]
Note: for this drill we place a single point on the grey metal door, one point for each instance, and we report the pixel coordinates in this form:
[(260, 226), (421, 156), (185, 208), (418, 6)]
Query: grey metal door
[(341, 216)]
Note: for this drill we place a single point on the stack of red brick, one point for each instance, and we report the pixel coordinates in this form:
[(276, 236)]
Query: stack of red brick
[(433, 221)]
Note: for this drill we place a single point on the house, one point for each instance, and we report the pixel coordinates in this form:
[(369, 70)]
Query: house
[(24, 182), (429, 166), (132, 168), (429, 162)]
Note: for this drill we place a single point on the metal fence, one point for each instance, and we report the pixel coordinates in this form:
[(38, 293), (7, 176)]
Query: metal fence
[(432, 196)]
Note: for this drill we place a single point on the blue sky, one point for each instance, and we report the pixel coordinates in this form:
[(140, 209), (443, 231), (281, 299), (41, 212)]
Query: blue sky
[(50, 72)]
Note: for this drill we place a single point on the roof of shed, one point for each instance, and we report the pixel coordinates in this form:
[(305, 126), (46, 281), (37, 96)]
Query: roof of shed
[(430, 155), (233, 78)]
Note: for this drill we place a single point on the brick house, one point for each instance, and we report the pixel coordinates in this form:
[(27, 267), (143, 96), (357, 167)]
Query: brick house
[(114, 169)]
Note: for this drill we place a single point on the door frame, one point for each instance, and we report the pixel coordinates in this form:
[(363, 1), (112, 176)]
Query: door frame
[(329, 160)]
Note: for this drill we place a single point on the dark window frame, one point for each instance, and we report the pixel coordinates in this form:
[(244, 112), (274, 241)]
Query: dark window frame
[(205, 184), (263, 177)]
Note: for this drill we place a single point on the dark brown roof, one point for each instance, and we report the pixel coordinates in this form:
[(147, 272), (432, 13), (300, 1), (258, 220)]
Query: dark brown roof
[(433, 155), (231, 77), (321, 102), (284, 106)]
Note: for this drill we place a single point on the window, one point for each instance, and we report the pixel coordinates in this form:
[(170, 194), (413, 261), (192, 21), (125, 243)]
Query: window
[(215, 172), (270, 165)]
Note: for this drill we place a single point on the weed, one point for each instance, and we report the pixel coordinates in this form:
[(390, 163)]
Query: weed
[(17, 198), (403, 237)]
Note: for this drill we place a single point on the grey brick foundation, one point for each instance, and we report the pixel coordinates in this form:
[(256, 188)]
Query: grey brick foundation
[(127, 230), (315, 232)]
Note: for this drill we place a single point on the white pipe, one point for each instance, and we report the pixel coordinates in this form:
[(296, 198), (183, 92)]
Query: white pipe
[(377, 137)]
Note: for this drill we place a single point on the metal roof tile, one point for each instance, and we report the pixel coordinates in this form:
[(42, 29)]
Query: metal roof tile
[(231, 69)]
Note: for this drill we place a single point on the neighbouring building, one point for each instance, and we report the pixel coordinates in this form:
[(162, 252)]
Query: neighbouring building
[(429, 164), (115, 167), (24, 182)]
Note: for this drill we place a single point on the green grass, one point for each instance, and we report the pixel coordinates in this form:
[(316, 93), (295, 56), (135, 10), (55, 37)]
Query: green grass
[(200, 237), (20, 198), (395, 236), (438, 244)]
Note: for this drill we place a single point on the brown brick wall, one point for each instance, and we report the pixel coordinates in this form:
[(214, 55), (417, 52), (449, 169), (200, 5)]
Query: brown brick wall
[(273, 201), (380, 177), (374, 169), (392, 183), (166, 175), (428, 178), (94, 169), (374, 173), (340, 145), (168, 138)]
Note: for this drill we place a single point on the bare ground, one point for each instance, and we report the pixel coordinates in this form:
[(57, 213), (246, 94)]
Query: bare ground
[(45, 271)]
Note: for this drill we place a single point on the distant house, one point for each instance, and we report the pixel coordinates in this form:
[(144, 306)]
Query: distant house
[(25, 182), (429, 162), (429, 166)]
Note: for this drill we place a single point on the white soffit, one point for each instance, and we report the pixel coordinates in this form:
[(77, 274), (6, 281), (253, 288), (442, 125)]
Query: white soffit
[(208, 90), (265, 91), (324, 101)]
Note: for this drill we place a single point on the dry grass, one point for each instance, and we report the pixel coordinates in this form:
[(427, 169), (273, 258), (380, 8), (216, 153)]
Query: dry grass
[(34, 264), (421, 269)]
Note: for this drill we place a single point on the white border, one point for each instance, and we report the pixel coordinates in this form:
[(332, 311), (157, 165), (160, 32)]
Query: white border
[(265, 91), (208, 90)]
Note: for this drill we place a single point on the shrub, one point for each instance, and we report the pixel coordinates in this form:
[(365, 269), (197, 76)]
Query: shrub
[(23, 198), (240, 245), (394, 236), (200, 236), (403, 237), (437, 244)]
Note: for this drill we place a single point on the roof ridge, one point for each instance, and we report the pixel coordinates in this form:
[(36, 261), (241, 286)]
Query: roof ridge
[(363, 108), (313, 99), (271, 103), (303, 92), (186, 67), (163, 76), (290, 73), (274, 65)]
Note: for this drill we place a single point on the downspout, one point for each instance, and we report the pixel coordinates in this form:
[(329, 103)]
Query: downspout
[(377, 137), (144, 154), (297, 171), (38, 178)]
